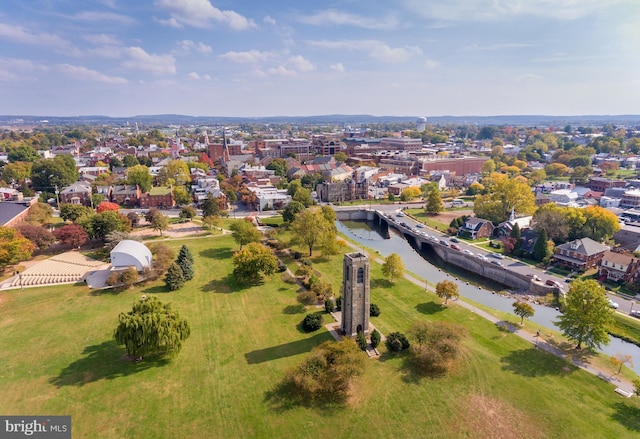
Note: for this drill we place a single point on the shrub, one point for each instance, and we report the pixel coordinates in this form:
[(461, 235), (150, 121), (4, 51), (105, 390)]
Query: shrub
[(307, 298), (124, 278), (361, 341), (322, 290), (329, 305), (374, 310), (312, 322), (287, 278), (397, 342), (297, 255), (339, 303), (375, 338)]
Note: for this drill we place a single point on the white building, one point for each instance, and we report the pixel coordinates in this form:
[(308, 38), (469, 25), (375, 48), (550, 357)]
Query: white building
[(129, 253)]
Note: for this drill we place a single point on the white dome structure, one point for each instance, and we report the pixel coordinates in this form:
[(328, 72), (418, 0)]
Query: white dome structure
[(421, 124), (129, 253)]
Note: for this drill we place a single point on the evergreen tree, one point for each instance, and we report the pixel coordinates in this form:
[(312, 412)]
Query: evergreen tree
[(540, 247), (515, 232), (185, 261), (375, 338), (174, 279)]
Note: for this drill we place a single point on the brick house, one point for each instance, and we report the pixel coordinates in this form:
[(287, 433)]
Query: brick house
[(618, 266), (77, 193), (476, 228), (580, 254), (126, 195), (158, 197)]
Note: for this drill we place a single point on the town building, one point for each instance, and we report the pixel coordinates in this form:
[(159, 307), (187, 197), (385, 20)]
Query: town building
[(580, 254), (76, 193), (475, 228), (616, 266), (158, 197)]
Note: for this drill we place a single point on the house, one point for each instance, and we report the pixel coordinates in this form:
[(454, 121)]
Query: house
[(616, 266), (580, 254), (158, 197), (126, 195), (476, 228), (504, 228), (130, 253), (77, 193), (268, 197), (528, 240)]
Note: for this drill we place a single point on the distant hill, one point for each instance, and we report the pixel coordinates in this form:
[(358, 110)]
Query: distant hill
[(329, 119)]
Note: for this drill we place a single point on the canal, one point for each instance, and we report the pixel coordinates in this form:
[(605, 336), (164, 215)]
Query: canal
[(426, 265)]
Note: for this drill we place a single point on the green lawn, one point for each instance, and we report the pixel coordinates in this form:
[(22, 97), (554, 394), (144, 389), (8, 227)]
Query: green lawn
[(421, 215), (58, 357)]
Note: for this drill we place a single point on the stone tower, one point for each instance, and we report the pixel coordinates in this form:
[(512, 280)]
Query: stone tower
[(355, 294)]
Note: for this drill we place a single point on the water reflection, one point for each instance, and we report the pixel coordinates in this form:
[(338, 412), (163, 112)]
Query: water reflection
[(427, 265)]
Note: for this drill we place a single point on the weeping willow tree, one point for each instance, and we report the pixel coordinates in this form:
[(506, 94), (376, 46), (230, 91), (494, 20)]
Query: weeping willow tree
[(151, 328)]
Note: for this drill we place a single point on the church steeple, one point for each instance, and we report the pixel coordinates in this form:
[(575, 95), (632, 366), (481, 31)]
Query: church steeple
[(225, 147)]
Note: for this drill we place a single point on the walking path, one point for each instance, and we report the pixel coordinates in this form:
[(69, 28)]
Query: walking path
[(534, 339)]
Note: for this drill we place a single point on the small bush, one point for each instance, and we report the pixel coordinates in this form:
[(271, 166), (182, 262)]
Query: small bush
[(307, 262), (307, 298), (297, 255), (329, 305), (375, 338), (287, 278), (374, 310), (361, 341), (397, 342), (339, 303), (312, 322), (113, 279)]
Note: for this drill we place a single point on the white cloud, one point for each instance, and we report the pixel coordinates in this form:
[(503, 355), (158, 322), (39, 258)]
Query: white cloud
[(338, 67), (375, 49), (200, 13), (281, 71), (198, 77), (431, 64), (85, 74), (528, 77), (22, 35), (102, 16), (494, 10), (141, 60), (171, 22), (251, 56), (16, 69), (496, 46), (188, 45), (269, 20), (332, 16), (301, 64), (102, 39)]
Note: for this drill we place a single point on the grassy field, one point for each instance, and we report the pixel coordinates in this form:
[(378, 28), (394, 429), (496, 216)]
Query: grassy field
[(58, 357)]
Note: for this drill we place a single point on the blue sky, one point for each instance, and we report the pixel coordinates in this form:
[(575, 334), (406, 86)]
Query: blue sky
[(283, 57)]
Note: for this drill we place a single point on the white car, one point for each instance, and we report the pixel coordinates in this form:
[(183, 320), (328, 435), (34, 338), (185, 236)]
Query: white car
[(400, 214), (614, 305), (483, 257), (467, 251)]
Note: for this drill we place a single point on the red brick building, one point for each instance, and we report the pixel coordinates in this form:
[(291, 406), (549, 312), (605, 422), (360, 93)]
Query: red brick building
[(158, 197)]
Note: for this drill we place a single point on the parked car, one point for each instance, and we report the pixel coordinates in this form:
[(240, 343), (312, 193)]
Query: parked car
[(433, 239), (498, 263), (483, 257), (445, 243), (635, 313), (614, 305), (455, 247), (454, 240), (419, 225), (400, 214), (497, 255)]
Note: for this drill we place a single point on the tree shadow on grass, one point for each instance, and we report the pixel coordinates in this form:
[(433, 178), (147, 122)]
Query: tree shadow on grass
[(106, 360), (294, 309), (627, 415), (430, 308), (535, 363), (217, 253), (284, 397), (286, 349), (380, 283), (158, 289), (218, 286), (578, 356), (506, 326)]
